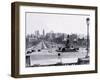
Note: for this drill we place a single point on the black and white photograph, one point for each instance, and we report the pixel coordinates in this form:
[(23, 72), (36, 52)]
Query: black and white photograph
[(53, 39), (57, 39)]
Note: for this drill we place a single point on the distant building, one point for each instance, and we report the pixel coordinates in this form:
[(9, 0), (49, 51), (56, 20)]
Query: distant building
[(65, 37), (50, 35), (37, 34), (58, 35), (43, 33)]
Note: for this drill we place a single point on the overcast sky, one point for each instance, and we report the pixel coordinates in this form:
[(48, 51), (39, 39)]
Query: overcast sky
[(56, 22)]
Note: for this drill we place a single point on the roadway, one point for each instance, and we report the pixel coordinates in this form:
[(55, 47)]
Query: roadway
[(48, 54)]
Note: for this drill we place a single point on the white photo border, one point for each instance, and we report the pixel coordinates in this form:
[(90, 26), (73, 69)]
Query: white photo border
[(54, 69)]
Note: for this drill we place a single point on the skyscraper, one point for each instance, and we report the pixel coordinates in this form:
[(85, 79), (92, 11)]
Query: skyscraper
[(43, 32), (37, 34)]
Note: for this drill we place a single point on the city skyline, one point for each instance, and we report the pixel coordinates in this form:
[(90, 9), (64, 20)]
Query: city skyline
[(37, 33)]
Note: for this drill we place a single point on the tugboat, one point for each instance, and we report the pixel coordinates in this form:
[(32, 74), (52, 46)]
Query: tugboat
[(68, 47)]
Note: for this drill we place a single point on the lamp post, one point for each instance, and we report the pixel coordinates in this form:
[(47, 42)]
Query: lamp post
[(87, 22)]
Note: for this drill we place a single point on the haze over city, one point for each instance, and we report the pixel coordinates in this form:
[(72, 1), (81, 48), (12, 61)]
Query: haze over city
[(58, 23)]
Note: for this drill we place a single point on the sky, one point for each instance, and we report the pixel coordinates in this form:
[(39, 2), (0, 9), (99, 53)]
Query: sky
[(57, 23)]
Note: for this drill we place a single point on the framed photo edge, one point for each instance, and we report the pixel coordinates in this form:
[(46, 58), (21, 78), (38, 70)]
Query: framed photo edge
[(15, 38)]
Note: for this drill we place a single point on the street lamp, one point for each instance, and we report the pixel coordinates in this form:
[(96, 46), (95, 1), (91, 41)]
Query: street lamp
[(87, 22)]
